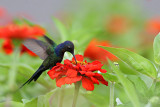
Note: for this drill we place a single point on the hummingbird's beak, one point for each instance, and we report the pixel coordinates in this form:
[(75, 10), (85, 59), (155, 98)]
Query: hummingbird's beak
[(74, 58)]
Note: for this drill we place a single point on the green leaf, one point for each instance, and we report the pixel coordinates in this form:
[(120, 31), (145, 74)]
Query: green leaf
[(23, 21), (126, 69), (111, 77), (124, 105), (40, 101), (134, 60), (121, 94), (28, 22), (156, 49), (32, 103), (139, 84), (128, 86), (61, 28), (12, 104), (5, 65)]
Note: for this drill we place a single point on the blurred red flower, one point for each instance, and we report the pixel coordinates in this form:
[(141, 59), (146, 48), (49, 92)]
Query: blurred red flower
[(117, 24), (96, 53), (71, 73), (153, 26), (13, 31), (8, 48)]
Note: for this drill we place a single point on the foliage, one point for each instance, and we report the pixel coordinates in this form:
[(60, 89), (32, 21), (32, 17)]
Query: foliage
[(135, 75)]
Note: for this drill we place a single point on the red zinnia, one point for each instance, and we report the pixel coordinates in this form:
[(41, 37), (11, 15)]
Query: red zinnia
[(96, 53), (13, 31), (71, 73)]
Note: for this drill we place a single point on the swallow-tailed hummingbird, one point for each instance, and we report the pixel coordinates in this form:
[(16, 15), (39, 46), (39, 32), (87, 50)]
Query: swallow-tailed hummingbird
[(48, 51)]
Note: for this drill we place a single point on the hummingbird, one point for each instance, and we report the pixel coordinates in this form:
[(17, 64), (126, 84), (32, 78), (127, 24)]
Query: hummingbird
[(49, 52)]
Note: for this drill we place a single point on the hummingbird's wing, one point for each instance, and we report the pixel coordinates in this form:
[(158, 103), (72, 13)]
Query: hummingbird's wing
[(51, 42), (38, 47)]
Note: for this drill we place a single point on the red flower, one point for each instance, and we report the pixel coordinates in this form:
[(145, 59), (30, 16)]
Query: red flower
[(8, 47), (14, 31), (151, 30), (96, 53), (71, 73), (153, 26)]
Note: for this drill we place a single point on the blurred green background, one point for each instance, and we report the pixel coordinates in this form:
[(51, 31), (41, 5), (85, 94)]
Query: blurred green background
[(129, 24)]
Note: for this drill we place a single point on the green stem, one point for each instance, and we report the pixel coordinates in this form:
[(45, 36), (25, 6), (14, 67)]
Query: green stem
[(13, 69), (76, 91), (61, 97), (111, 104)]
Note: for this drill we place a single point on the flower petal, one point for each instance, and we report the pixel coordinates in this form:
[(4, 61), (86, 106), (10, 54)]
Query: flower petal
[(7, 46), (84, 68), (60, 82), (103, 70), (82, 72), (101, 79), (78, 58), (53, 74), (67, 62), (96, 65), (58, 67), (71, 73), (94, 80), (87, 84), (96, 53), (87, 73), (96, 62), (14, 31), (71, 80)]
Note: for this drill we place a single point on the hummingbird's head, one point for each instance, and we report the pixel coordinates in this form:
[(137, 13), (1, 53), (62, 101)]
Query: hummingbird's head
[(69, 47)]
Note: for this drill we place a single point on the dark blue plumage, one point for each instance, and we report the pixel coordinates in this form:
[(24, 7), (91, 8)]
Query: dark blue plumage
[(49, 52)]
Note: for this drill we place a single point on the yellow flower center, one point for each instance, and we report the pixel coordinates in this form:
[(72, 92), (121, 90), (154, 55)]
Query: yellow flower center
[(79, 62)]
